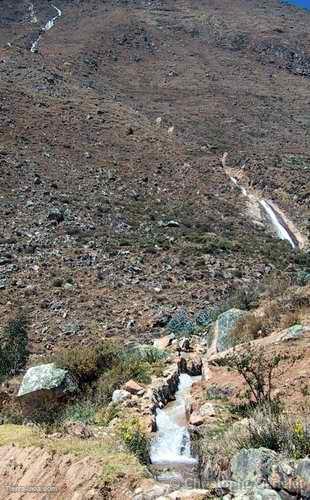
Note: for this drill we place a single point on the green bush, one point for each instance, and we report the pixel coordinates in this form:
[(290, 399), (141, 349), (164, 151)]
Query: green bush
[(181, 324), (114, 378), (150, 354), (13, 347), (80, 411), (135, 439), (256, 369)]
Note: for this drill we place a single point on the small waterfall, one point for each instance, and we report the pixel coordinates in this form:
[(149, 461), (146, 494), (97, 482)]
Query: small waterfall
[(276, 222), (281, 231), (172, 444), (242, 189), (47, 27), (52, 21)]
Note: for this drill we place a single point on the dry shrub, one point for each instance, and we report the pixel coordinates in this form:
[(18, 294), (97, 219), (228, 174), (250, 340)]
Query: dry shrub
[(249, 327), (277, 314), (268, 427)]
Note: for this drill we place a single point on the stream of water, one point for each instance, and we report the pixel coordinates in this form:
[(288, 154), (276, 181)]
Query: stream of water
[(171, 453), (278, 225), (172, 443), (281, 231), (50, 23)]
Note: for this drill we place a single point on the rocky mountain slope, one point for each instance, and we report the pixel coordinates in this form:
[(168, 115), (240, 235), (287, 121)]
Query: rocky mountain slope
[(122, 217), (108, 218)]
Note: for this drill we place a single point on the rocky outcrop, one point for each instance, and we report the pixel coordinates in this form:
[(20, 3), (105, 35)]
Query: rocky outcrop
[(220, 334), (163, 389), (263, 474), (252, 465), (194, 366)]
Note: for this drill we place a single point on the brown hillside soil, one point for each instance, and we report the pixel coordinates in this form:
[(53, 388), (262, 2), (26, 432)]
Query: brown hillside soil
[(78, 134), (34, 473), (290, 380)]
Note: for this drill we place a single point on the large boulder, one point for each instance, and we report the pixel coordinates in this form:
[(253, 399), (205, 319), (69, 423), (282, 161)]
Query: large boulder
[(45, 383), (194, 366), (220, 335), (252, 465), (292, 476)]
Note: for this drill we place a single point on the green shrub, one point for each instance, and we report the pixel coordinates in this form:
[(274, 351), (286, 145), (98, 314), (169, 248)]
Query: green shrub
[(140, 371), (80, 411), (181, 324), (105, 415), (135, 439), (150, 354), (13, 347)]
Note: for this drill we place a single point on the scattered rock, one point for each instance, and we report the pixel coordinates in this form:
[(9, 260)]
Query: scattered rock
[(133, 388), (77, 429), (163, 342), (120, 395), (71, 328)]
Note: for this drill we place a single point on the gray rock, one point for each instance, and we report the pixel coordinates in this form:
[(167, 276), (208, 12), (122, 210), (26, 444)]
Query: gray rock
[(184, 344), (291, 476), (295, 332), (46, 378), (56, 214), (252, 465), (303, 476), (224, 325), (120, 395), (256, 493)]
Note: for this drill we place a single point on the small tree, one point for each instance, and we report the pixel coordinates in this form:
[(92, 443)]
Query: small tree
[(13, 347), (256, 369)]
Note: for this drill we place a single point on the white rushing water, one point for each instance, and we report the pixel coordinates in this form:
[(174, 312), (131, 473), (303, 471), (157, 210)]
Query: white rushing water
[(242, 189), (33, 17), (172, 444), (47, 27), (279, 228)]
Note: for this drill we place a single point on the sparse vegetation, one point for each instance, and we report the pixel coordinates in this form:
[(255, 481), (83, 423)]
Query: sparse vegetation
[(257, 370), (86, 364), (13, 347), (135, 439), (277, 431)]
